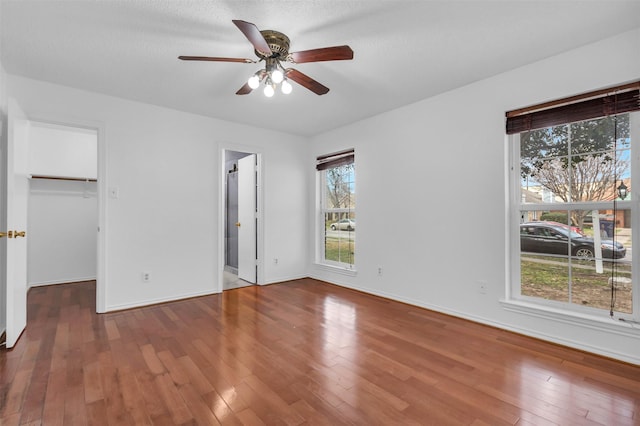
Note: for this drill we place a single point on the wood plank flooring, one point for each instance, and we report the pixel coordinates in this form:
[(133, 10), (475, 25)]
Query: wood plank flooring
[(300, 352)]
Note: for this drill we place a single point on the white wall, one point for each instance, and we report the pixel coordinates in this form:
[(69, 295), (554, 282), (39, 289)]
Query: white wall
[(438, 169), (63, 151), (62, 229), (166, 167)]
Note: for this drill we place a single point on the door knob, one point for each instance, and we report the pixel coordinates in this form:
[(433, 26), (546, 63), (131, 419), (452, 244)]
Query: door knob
[(3, 234), (238, 224), (16, 234)]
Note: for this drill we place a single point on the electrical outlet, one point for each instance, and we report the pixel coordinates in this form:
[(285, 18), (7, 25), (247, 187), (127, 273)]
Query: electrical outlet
[(275, 260), (482, 287), (379, 271), (146, 277)]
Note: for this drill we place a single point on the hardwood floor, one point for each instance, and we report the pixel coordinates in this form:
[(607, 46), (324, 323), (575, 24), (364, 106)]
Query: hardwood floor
[(300, 352)]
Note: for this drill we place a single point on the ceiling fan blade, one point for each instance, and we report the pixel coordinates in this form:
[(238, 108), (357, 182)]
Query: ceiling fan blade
[(337, 53), (215, 59), (306, 81), (253, 34), (244, 90)]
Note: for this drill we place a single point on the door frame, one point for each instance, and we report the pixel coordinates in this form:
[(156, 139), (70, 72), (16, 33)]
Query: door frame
[(222, 203), (247, 208), (101, 252)]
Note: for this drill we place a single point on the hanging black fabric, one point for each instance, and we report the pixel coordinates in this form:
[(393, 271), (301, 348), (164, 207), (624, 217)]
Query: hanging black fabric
[(615, 100), (336, 159)]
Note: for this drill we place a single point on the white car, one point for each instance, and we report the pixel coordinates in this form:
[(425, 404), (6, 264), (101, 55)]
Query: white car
[(344, 224)]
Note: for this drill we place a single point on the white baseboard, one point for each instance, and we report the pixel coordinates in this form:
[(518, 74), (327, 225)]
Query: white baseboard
[(148, 302), (175, 298), (283, 279), (61, 281)]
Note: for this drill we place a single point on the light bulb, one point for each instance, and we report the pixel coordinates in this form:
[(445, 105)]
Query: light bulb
[(277, 76), (286, 87), (254, 81), (268, 91)]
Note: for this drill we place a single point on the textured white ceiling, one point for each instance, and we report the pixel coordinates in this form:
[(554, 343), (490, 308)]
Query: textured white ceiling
[(405, 51)]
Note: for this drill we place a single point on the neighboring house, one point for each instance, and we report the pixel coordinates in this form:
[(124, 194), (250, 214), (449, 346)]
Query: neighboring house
[(538, 194)]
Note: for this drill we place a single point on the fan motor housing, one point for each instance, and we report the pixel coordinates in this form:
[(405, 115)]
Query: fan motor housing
[(278, 43)]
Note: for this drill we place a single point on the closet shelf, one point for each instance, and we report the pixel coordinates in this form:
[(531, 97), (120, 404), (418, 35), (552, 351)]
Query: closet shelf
[(78, 179)]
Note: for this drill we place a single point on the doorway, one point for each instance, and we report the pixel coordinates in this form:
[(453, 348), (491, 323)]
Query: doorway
[(240, 219), (22, 136), (62, 204)]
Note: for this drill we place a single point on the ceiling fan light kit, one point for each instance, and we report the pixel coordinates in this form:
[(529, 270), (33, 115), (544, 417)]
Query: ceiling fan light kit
[(272, 47), (272, 75)]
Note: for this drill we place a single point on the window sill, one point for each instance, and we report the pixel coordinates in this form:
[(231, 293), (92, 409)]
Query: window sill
[(337, 269), (624, 328)]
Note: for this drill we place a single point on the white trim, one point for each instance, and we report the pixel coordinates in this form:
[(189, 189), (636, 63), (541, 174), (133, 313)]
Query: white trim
[(342, 270), (103, 219), (155, 301), (509, 214), (514, 207), (634, 129), (70, 193), (594, 322), (279, 280), (102, 244), (222, 205), (592, 205), (61, 281), (260, 276), (322, 210)]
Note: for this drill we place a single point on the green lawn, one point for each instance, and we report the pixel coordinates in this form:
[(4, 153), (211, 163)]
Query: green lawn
[(340, 250), (548, 278)]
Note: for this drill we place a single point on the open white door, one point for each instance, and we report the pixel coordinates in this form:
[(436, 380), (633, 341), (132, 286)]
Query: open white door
[(247, 218), (14, 221)]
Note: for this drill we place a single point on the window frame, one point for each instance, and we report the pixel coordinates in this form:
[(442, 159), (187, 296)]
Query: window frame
[(514, 300), (321, 172)]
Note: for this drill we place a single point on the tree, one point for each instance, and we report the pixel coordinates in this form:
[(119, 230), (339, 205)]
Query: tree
[(339, 181), (578, 161)]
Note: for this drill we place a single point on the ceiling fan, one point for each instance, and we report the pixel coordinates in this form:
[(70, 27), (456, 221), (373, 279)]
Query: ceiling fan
[(273, 48)]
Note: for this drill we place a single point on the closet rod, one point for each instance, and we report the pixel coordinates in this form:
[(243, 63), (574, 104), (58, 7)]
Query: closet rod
[(63, 178)]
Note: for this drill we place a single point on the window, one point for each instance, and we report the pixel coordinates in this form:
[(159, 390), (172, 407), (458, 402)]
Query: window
[(336, 174), (572, 231)]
